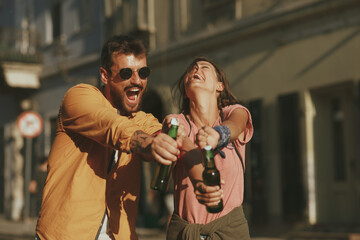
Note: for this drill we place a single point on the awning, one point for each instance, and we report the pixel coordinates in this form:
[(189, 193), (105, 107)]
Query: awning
[(22, 75)]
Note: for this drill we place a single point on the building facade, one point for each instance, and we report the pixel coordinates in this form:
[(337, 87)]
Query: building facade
[(292, 63)]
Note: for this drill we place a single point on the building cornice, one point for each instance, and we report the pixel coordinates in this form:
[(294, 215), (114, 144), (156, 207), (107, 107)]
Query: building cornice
[(247, 27)]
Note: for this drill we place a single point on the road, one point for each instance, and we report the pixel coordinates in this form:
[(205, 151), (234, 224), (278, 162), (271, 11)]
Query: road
[(17, 230)]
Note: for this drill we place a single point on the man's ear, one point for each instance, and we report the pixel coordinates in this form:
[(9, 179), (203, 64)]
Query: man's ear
[(219, 87), (104, 76)]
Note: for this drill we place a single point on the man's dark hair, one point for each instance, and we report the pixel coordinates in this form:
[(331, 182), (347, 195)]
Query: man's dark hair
[(225, 98), (121, 44)]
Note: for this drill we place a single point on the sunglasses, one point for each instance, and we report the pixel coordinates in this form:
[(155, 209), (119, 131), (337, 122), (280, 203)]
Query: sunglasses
[(126, 73)]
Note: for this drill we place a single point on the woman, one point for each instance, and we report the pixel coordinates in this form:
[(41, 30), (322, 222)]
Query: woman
[(211, 116)]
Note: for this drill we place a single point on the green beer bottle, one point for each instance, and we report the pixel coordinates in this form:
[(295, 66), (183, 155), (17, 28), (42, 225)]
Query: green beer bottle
[(162, 175), (211, 177)]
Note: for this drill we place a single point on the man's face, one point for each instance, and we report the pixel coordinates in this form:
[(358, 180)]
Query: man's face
[(126, 94)]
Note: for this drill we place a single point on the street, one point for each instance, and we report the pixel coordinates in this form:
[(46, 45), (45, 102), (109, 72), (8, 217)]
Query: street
[(18, 230)]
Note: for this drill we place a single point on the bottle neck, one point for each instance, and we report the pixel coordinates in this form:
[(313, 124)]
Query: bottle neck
[(173, 131), (209, 159)]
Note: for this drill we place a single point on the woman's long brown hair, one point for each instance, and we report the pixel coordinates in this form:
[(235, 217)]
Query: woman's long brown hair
[(225, 97)]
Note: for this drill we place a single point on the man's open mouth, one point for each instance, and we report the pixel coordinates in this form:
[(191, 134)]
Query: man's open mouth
[(132, 94)]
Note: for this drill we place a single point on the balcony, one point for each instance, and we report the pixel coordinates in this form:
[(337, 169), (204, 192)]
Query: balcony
[(20, 62), (17, 45)]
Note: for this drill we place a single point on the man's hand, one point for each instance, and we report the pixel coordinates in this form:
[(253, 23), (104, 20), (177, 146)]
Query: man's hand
[(207, 136), (181, 132), (164, 149), (208, 195)]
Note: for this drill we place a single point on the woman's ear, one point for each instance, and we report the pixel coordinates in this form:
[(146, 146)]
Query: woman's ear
[(219, 87), (104, 76)]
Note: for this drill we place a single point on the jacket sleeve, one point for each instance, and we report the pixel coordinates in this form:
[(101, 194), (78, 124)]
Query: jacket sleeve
[(87, 112)]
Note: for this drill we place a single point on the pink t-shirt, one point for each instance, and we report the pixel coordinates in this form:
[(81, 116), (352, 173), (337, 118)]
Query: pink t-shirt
[(186, 204)]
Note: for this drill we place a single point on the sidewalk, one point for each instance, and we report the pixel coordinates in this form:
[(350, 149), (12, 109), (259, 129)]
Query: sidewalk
[(11, 230), (16, 230)]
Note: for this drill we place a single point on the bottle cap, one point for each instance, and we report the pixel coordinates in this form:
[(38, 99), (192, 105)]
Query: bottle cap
[(174, 121), (207, 147)]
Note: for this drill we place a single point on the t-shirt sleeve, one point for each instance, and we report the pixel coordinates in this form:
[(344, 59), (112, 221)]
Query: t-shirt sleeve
[(249, 126)]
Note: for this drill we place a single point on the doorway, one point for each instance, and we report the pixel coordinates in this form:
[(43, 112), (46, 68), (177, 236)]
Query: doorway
[(335, 137), (2, 169)]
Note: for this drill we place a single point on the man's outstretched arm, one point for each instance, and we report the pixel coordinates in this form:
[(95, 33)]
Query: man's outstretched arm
[(160, 147)]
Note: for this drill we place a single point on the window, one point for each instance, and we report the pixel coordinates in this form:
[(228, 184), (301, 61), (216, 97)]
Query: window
[(292, 189), (86, 12), (214, 4), (255, 189), (184, 16), (56, 20), (218, 12), (2, 171), (338, 140), (180, 12)]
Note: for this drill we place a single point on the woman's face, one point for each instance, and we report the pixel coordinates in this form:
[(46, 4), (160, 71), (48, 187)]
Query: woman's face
[(202, 78)]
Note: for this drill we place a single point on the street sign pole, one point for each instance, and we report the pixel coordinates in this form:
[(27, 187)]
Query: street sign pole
[(30, 125), (28, 166)]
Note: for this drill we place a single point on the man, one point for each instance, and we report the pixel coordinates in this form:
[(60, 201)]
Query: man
[(100, 142), (36, 185)]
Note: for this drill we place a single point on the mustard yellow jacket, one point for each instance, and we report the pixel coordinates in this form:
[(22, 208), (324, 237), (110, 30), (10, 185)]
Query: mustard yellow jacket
[(78, 187)]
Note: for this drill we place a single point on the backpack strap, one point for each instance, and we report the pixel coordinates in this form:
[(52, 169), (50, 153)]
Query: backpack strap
[(242, 162), (188, 122)]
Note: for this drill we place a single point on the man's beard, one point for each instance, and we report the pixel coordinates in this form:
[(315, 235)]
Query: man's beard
[(119, 103)]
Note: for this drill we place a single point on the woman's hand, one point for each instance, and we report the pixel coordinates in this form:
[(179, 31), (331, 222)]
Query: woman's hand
[(208, 195), (207, 136)]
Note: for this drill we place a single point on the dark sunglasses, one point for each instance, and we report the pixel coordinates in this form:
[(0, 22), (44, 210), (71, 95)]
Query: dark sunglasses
[(126, 73)]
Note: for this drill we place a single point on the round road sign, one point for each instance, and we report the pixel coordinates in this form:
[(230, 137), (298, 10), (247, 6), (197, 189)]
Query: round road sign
[(30, 124)]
